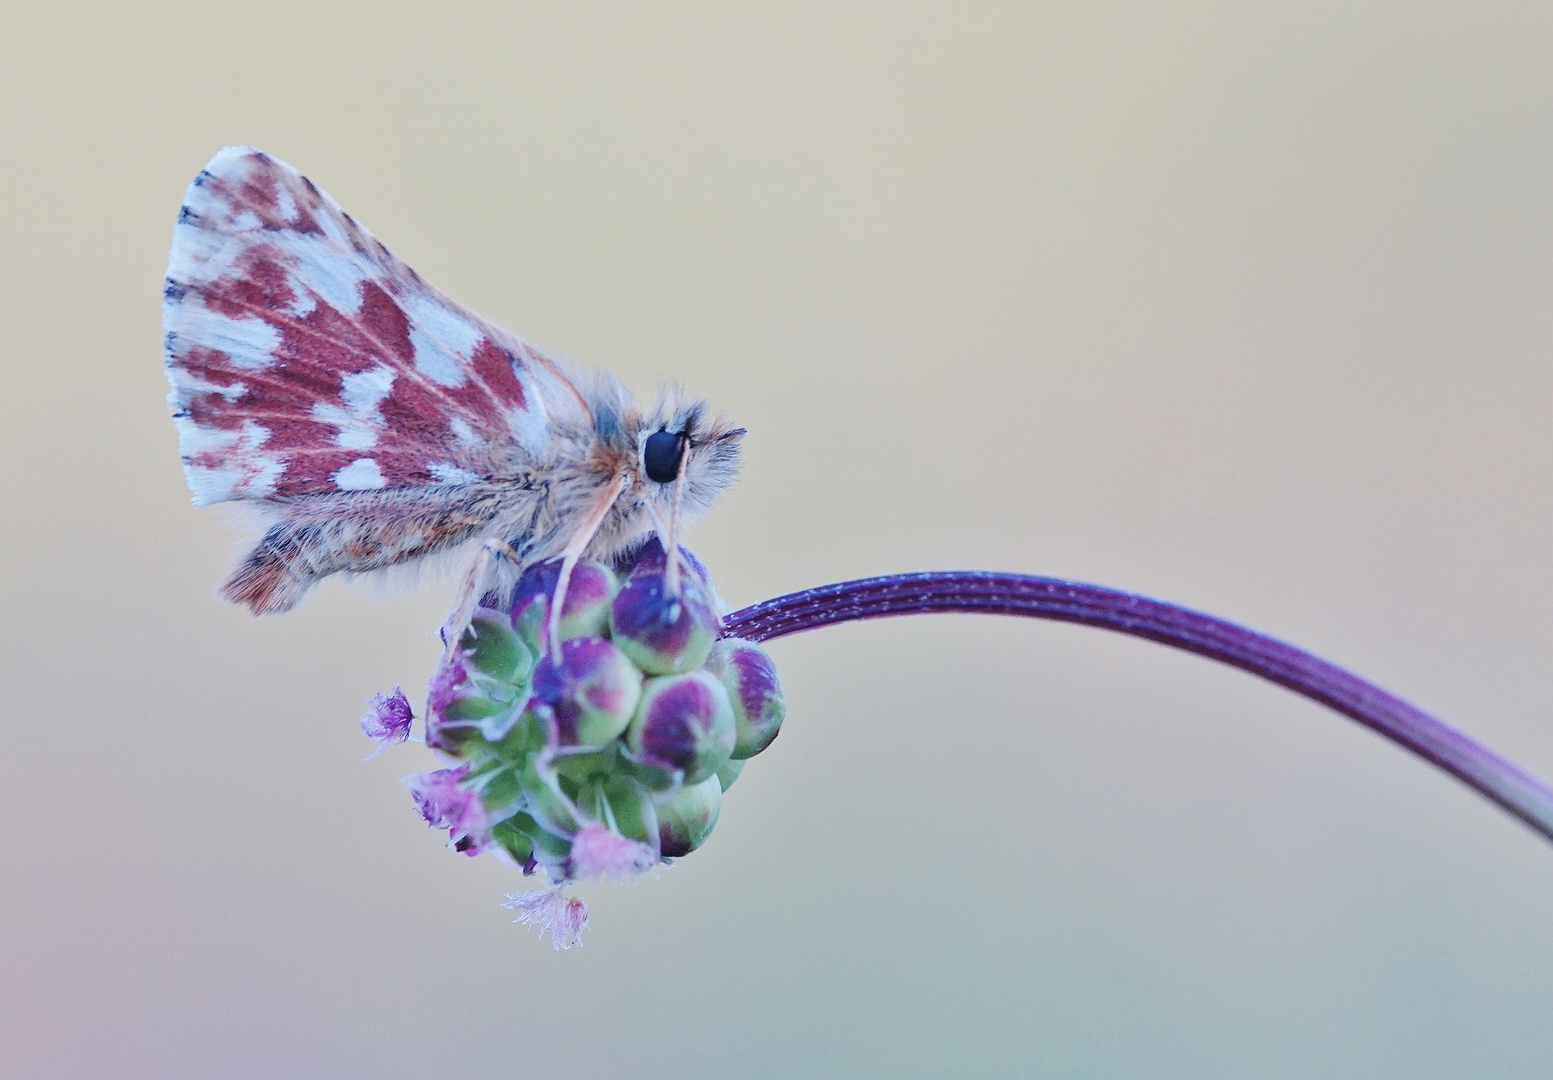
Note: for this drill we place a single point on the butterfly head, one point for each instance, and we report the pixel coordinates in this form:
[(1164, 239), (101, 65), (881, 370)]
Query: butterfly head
[(682, 448), (672, 460)]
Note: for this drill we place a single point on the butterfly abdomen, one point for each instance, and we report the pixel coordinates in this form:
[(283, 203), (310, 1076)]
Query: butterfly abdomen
[(314, 537), (265, 584)]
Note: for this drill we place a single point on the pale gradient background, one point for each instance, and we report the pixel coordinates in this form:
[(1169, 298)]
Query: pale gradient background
[(1247, 311)]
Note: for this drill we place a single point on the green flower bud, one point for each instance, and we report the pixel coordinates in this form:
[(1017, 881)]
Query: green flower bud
[(621, 803), (496, 659), (549, 847), (730, 772), (687, 819), (512, 840), (497, 783), (546, 803), (479, 691), (528, 735), (654, 776)]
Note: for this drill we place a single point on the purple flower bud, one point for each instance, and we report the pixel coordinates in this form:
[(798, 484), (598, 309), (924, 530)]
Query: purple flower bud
[(650, 554), (445, 803), (584, 612), (730, 772), (455, 708), (684, 722), (565, 917), (387, 719), (687, 819), (473, 844), (592, 692), (754, 691), (664, 634), (599, 853), (445, 683)]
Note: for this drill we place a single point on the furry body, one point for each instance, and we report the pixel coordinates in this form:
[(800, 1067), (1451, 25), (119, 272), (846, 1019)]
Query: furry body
[(373, 420)]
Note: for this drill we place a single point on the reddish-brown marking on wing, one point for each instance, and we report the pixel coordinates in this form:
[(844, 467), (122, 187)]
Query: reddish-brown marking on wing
[(306, 358)]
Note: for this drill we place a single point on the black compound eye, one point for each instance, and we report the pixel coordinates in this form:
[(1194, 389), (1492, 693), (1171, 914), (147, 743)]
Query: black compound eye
[(661, 455)]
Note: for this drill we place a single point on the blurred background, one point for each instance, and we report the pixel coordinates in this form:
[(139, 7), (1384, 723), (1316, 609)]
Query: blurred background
[(1245, 310)]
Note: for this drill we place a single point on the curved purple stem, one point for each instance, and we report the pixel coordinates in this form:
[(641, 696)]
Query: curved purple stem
[(1496, 778)]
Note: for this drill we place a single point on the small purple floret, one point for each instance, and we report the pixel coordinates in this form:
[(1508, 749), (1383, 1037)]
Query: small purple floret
[(565, 917), (599, 853), (445, 683), (387, 719), (446, 804)]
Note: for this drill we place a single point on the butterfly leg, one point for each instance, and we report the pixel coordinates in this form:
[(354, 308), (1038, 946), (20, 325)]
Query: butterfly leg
[(475, 585), (574, 549), (671, 542)]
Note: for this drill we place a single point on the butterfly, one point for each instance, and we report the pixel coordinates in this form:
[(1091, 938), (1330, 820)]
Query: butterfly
[(374, 422)]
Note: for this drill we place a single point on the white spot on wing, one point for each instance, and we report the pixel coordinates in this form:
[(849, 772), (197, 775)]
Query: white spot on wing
[(451, 474), (360, 475), (356, 439), (195, 440), (444, 340), (321, 267), (187, 386), (251, 343), (285, 204), (193, 248), (438, 366), (254, 479), (243, 472), (465, 435), (530, 424), (359, 420), (364, 391), (303, 302)]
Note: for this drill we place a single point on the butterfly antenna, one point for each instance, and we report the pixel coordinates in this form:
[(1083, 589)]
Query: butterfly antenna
[(573, 552)]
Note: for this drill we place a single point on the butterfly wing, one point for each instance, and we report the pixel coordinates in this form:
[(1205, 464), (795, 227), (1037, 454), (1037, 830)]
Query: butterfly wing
[(305, 358)]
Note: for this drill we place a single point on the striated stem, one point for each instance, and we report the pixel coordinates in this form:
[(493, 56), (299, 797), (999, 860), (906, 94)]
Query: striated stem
[(1496, 778)]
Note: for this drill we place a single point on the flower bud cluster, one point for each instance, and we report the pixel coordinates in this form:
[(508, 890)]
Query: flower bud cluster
[(610, 755)]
